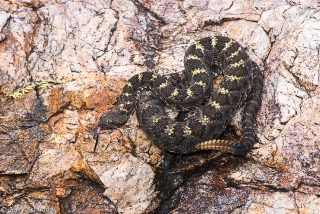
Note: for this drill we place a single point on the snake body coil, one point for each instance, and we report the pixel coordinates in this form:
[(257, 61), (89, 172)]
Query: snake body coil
[(206, 60)]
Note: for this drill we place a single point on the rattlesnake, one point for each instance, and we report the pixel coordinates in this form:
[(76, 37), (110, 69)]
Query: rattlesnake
[(209, 59)]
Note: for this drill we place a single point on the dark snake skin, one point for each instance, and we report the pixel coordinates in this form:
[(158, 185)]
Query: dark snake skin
[(205, 61)]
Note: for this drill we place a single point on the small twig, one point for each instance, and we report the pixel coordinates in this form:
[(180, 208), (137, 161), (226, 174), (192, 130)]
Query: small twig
[(18, 93)]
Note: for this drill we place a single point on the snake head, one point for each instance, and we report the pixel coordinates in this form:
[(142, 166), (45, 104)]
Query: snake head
[(112, 120)]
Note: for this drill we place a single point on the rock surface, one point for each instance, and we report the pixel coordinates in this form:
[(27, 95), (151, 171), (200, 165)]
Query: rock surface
[(90, 48)]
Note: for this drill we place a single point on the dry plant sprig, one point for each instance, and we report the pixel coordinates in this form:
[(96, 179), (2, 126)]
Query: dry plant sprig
[(18, 93)]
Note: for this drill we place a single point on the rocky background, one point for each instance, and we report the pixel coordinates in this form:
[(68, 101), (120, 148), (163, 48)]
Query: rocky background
[(89, 48)]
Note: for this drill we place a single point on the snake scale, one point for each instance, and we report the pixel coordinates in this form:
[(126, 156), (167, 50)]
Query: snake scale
[(208, 60)]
